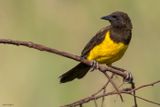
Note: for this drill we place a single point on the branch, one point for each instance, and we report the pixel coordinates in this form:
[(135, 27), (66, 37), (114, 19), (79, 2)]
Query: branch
[(123, 91), (61, 53), (102, 68), (114, 85)]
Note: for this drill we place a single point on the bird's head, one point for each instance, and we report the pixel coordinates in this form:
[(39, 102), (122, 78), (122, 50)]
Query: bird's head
[(119, 19)]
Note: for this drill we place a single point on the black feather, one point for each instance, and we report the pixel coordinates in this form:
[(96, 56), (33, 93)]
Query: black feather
[(78, 71)]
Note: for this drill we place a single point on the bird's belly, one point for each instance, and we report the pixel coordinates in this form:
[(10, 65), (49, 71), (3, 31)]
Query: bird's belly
[(107, 52)]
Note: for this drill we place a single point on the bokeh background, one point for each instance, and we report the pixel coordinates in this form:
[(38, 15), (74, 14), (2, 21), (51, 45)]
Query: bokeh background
[(29, 78)]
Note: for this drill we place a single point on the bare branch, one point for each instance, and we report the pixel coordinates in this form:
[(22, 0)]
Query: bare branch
[(101, 89), (123, 91), (113, 84), (134, 94), (62, 53)]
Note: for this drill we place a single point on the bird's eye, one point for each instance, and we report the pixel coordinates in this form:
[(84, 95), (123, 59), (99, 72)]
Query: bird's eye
[(114, 16)]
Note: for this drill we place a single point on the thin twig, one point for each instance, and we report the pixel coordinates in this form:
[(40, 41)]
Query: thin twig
[(149, 101), (134, 94), (103, 98), (95, 103), (88, 99), (114, 85), (104, 90), (106, 84), (146, 85)]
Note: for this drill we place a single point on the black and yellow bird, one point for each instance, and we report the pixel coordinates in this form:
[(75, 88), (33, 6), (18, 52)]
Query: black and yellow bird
[(106, 47)]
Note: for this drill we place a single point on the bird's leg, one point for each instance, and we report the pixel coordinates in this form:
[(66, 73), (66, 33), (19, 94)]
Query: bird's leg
[(82, 58), (128, 78), (95, 65)]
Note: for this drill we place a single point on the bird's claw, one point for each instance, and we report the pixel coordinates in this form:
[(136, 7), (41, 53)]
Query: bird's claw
[(95, 65), (128, 78)]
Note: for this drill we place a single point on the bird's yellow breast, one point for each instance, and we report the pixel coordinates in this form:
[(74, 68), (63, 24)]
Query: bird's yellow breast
[(108, 51)]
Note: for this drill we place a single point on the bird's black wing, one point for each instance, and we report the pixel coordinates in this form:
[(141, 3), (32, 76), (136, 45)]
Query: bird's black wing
[(97, 39)]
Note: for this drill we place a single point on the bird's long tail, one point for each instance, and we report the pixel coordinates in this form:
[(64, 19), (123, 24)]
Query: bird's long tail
[(78, 71)]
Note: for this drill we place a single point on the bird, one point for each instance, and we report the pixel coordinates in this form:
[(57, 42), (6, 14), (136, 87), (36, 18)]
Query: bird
[(107, 46)]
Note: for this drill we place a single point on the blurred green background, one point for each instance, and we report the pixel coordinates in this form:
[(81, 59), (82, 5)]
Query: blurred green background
[(29, 78)]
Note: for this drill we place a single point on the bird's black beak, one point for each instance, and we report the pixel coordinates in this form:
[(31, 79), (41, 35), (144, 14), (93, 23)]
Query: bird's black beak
[(107, 18)]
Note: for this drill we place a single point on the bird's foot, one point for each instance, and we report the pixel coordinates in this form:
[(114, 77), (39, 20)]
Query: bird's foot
[(128, 78), (95, 65)]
